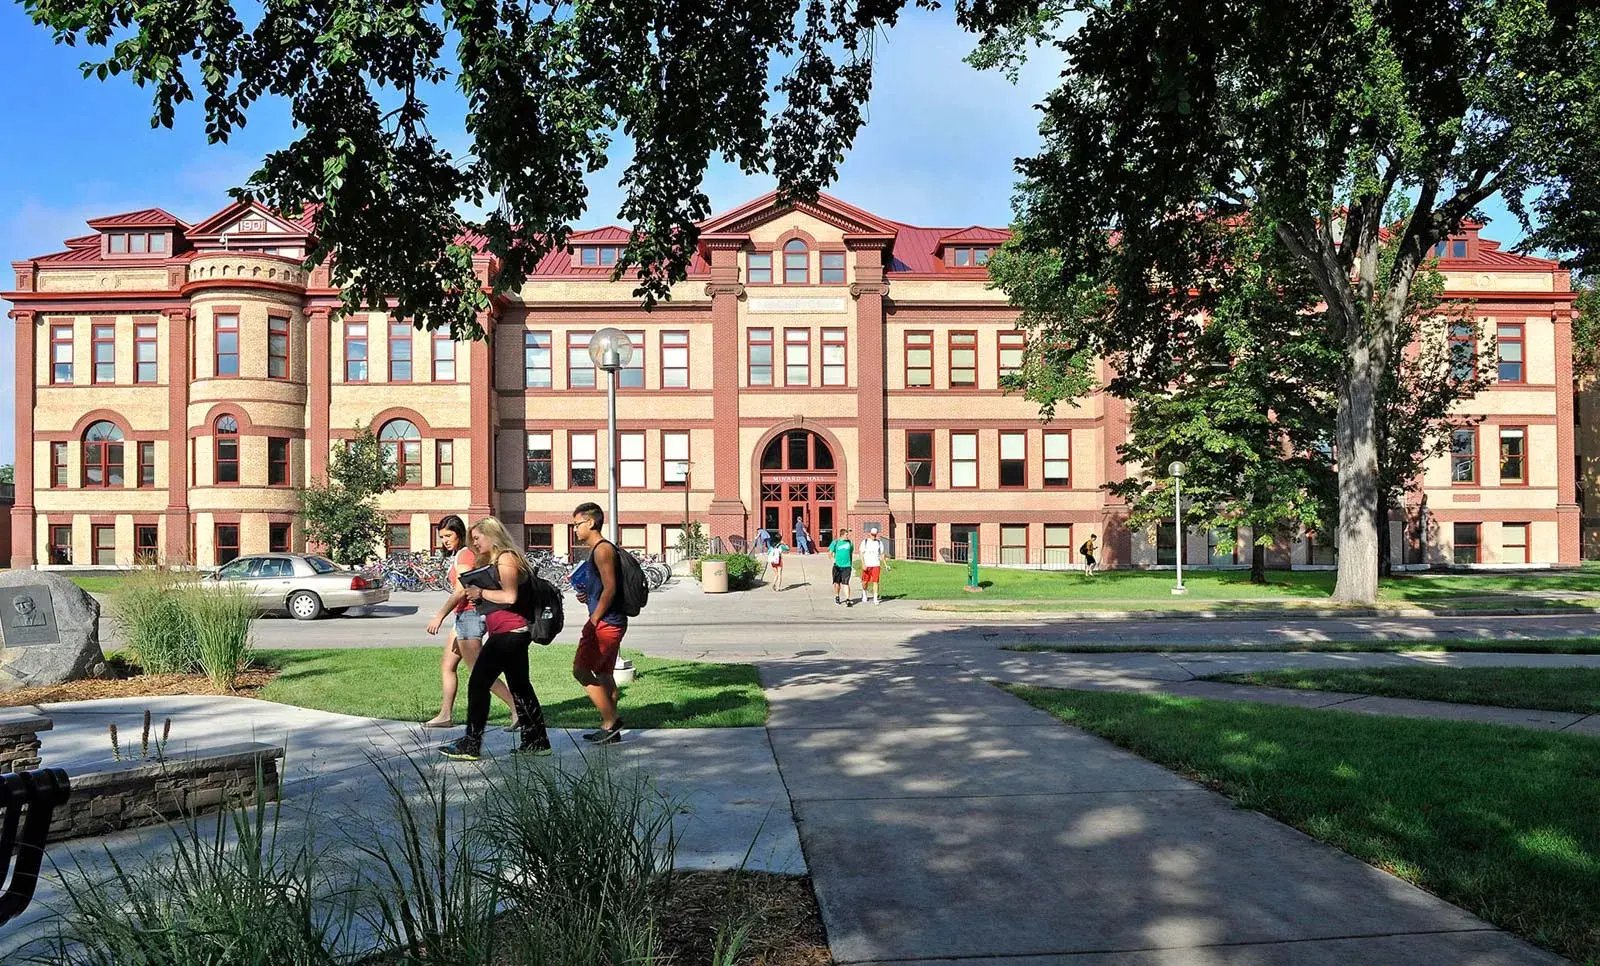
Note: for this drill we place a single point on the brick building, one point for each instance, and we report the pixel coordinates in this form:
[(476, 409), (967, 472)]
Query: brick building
[(177, 382)]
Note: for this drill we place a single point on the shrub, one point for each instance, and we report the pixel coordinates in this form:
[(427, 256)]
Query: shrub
[(151, 616), (692, 541), (743, 569), (222, 618)]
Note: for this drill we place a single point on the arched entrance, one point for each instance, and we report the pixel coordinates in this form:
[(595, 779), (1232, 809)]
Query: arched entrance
[(798, 480)]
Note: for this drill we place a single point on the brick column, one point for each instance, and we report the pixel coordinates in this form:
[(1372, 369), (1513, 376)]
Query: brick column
[(871, 497), (319, 381), (482, 420), (22, 513), (1116, 542), (178, 379), (728, 514), (1569, 519)]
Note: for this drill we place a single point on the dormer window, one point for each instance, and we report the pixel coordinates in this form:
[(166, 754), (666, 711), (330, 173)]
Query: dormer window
[(136, 243), (1457, 248), (598, 255), (968, 257)]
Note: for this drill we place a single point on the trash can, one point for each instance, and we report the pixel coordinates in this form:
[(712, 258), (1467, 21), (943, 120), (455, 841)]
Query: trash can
[(714, 576)]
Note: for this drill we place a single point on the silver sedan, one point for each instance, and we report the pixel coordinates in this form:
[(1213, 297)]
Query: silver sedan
[(303, 585)]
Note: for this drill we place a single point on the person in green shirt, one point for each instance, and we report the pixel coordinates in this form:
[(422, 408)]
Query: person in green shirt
[(843, 551)]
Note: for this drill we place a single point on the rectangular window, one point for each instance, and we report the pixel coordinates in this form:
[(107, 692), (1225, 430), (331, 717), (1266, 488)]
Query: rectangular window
[(537, 462), (1013, 345), (277, 347), (117, 243), (1058, 459), (919, 360), (963, 359), (1514, 543), (1013, 543), (536, 360), (61, 355), (398, 539), (961, 541), (1167, 546), (758, 268), (226, 457), (158, 243), (634, 537), (1513, 454), (797, 357), (355, 352), (444, 356), (963, 460), (1508, 345), (580, 460), (1466, 542), (61, 544), (1013, 459), (147, 542), (226, 327), (58, 464), (919, 450), (833, 268), (105, 545), (277, 538), (631, 376), (147, 463), (227, 540), (103, 344), (145, 371), (1057, 544), (675, 360), (538, 537), (834, 368), (760, 357), (277, 461), (444, 461), (1463, 350), (1458, 248), (580, 368), (675, 459), (400, 351), (630, 459), (1464, 455), (138, 243)]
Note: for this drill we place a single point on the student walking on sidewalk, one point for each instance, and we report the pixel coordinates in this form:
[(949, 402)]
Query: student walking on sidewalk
[(466, 634), (775, 563), (871, 566), (843, 556), (598, 581)]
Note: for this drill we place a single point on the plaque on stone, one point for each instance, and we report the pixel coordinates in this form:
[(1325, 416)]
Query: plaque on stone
[(49, 630), (27, 616)]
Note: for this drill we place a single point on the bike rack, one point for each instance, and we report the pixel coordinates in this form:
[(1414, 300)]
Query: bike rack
[(38, 794)]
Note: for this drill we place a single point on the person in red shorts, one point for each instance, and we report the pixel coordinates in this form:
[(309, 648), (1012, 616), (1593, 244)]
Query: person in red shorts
[(871, 566), (598, 582)]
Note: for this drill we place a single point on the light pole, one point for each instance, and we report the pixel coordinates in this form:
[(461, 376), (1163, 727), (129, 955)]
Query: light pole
[(611, 350), (1177, 468), (687, 466), (913, 467)]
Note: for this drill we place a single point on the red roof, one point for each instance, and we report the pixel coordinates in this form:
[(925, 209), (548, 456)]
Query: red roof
[(610, 233), (143, 218), (976, 234)]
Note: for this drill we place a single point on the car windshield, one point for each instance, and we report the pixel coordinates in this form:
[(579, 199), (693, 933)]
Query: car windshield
[(235, 569), (321, 565)]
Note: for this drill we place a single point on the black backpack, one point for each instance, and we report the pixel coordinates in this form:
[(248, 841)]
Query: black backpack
[(1084, 547), (635, 590), (539, 603)]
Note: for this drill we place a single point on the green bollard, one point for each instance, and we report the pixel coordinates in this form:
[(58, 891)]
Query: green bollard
[(972, 562)]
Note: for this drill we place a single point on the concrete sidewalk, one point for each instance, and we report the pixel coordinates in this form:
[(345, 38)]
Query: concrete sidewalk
[(944, 820)]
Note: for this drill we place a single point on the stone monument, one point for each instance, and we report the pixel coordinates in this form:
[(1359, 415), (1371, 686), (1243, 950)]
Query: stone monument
[(49, 631)]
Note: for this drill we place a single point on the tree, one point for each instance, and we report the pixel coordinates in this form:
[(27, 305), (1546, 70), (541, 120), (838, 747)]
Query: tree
[(1351, 124), (341, 511), (8, 473)]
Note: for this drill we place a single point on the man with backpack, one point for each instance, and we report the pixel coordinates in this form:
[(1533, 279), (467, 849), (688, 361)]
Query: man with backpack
[(599, 583), (1087, 548)]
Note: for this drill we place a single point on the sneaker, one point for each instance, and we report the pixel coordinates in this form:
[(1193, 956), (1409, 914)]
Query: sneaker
[(463, 749), (605, 736), (836, 599), (537, 748)]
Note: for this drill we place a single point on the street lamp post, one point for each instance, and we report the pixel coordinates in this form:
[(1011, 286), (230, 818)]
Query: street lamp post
[(611, 350), (1177, 469), (687, 466), (913, 467)]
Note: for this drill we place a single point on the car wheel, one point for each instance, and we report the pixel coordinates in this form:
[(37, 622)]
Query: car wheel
[(305, 606), (337, 611)]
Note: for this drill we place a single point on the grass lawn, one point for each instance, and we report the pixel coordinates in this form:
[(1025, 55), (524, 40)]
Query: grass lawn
[(1500, 821), (1548, 689), (918, 580), (1575, 645), (100, 583), (403, 683)]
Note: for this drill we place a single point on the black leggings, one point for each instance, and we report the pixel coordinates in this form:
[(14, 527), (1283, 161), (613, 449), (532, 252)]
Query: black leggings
[(507, 654)]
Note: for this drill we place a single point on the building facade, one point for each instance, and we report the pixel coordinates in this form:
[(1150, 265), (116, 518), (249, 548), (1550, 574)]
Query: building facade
[(177, 383)]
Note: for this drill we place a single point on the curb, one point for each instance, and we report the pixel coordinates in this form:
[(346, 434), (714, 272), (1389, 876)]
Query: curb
[(1321, 613)]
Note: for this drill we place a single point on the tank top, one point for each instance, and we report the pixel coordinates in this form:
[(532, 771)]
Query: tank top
[(460, 564), (500, 618)]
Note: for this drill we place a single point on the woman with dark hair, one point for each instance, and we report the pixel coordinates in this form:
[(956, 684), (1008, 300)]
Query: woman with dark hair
[(466, 636)]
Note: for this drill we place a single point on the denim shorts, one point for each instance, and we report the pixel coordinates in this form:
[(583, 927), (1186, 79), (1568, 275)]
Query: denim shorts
[(469, 626)]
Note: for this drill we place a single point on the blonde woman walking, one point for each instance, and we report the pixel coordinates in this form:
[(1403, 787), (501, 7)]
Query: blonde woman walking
[(505, 646), (466, 632)]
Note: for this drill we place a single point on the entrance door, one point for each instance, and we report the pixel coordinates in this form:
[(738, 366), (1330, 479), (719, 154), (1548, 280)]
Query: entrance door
[(799, 483)]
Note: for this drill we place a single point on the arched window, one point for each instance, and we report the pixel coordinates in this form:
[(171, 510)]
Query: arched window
[(796, 263), (798, 449), (225, 439), (102, 455), (402, 447)]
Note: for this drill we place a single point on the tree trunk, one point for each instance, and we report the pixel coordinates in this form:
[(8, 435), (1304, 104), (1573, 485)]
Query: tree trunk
[(1358, 476), (1258, 564)]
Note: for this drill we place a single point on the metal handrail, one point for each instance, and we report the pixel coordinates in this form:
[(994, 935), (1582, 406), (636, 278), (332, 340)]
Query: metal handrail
[(30, 799)]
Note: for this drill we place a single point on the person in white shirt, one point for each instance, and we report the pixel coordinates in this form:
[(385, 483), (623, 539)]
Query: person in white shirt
[(871, 565)]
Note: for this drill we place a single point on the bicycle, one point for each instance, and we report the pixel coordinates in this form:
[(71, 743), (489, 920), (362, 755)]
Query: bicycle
[(657, 573)]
